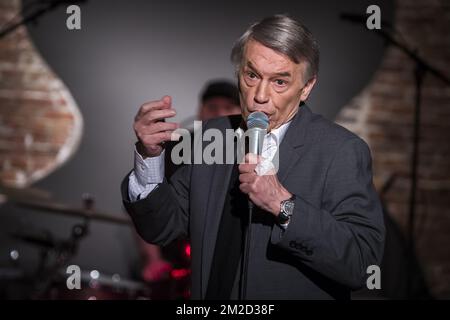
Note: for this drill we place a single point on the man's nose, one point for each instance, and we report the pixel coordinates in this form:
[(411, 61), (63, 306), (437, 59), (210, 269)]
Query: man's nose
[(262, 93)]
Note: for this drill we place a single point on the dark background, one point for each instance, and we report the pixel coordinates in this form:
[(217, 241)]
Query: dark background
[(130, 52)]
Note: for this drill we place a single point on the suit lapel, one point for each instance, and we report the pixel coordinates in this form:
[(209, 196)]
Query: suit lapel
[(290, 147)]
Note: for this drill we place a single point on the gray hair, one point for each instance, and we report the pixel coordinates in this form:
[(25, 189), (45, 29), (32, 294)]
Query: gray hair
[(285, 35)]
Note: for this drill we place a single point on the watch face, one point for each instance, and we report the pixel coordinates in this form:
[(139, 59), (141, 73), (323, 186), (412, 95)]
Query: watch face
[(288, 207)]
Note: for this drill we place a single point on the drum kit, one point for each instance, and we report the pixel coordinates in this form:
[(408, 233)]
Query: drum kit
[(49, 279)]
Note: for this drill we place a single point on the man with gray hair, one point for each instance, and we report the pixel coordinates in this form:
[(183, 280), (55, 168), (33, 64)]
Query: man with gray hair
[(317, 222)]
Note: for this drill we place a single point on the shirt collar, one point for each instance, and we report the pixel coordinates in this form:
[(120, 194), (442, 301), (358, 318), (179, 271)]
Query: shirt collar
[(280, 132), (277, 133)]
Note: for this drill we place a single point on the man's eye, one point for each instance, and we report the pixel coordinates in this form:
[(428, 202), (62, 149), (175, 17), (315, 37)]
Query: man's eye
[(251, 75), (280, 82)]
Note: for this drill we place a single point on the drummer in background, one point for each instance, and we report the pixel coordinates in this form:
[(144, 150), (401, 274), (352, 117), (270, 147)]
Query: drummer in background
[(219, 98)]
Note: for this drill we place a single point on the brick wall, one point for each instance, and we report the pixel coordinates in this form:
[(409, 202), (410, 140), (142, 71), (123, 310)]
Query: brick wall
[(40, 124), (383, 115)]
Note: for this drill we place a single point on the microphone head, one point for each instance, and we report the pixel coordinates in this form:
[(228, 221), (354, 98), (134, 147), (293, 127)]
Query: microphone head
[(257, 119)]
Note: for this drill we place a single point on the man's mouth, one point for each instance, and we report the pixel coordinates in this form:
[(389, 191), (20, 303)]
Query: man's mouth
[(267, 114)]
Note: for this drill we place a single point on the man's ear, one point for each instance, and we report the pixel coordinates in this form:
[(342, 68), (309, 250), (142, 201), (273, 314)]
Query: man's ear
[(308, 88)]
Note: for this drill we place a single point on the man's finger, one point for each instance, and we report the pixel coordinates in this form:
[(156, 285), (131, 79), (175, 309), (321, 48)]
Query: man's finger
[(156, 115), (159, 127), (157, 138), (244, 187), (252, 158), (164, 103), (167, 99), (246, 167), (247, 177)]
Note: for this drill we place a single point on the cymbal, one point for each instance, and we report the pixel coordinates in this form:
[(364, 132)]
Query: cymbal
[(44, 240), (63, 209), (9, 193)]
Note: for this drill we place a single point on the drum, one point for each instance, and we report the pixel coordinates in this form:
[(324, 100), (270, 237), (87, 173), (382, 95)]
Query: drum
[(98, 286)]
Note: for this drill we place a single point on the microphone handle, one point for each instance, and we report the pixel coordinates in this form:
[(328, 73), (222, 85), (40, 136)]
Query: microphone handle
[(256, 138)]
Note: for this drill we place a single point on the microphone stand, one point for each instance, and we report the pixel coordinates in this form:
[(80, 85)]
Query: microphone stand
[(422, 67), (246, 258)]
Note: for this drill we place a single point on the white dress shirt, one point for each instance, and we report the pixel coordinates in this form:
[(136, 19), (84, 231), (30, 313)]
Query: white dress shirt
[(149, 172)]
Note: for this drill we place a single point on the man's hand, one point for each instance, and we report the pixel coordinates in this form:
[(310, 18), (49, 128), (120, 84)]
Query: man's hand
[(150, 128), (264, 191)]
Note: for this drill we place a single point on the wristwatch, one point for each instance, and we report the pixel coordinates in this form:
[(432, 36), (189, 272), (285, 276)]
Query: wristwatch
[(286, 211)]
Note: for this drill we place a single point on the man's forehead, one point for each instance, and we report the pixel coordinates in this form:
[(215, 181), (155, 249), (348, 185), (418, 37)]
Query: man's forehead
[(264, 59), (283, 70)]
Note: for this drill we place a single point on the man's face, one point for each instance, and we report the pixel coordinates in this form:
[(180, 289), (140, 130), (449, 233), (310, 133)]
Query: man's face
[(272, 83), (217, 107)]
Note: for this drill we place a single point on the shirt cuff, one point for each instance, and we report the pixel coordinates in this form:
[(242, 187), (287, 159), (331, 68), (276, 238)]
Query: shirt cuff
[(149, 170)]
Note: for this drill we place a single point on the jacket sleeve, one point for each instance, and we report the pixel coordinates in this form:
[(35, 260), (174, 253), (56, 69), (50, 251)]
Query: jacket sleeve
[(346, 234), (163, 215)]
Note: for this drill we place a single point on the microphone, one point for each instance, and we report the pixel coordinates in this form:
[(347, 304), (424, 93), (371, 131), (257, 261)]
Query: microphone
[(257, 124)]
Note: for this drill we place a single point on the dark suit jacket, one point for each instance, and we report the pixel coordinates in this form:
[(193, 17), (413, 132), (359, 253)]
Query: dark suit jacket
[(336, 231)]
